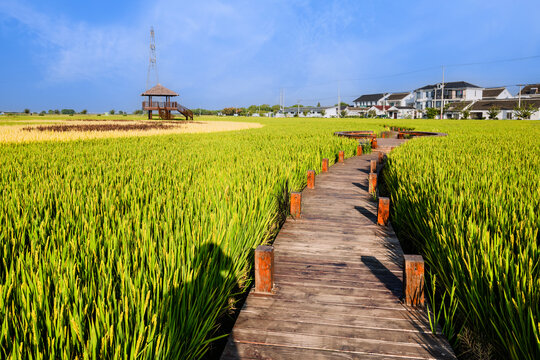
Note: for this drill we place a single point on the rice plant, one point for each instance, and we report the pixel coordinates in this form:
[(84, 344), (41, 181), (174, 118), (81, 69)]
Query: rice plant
[(132, 248)]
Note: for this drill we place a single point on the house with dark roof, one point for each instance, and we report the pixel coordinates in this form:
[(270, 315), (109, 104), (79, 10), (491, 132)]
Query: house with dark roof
[(400, 99), (506, 107), (531, 90), (369, 100), (433, 95), (496, 93)]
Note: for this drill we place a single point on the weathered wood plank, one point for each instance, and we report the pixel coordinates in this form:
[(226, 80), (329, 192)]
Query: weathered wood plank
[(338, 284)]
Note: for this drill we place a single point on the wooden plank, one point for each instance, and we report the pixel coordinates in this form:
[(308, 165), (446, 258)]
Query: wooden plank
[(338, 284)]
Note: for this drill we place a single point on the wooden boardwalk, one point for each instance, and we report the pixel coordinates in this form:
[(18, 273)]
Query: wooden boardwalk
[(339, 282)]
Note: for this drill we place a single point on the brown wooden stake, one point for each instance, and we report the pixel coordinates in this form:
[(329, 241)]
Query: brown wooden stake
[(413, 280), (359, 150), (264, 269), (373, 166), (311, 179), (341, 156), (296, 204), (381, 157), (383, 213), (374, 143), (324, 165), (372, 183)]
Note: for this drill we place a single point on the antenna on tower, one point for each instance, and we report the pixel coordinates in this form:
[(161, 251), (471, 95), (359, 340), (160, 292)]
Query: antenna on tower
[(152, 63)]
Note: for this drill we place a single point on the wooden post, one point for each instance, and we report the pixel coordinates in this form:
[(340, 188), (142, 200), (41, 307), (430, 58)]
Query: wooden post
[(374, 143), (372, 183), (381, 157), (296, 204), (413, 280), (341, 156), (373, 166), (359, 150), (383, 212), (149, 114), (324, 165), (264, 269), (311, 179)]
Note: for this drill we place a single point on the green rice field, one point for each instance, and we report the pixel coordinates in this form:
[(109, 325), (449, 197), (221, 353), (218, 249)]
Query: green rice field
[(135, 247)]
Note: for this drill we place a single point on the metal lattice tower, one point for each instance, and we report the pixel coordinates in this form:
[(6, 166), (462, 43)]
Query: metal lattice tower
[(152, 65)]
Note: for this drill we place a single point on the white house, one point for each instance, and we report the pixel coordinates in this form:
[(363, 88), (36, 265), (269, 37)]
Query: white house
[(431, 95), (332, 111), (370, 100), (356, 111), (399, 99), (506, 107), (305, 111), (496, 93)]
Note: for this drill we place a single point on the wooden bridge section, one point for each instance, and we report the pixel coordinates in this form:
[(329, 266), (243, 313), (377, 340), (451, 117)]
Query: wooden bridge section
[(338, 283)]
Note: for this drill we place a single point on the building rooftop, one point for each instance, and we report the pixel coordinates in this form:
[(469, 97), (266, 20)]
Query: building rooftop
[(159, 90), (492, 92), (370, 97), (397, 96), (451, 85)]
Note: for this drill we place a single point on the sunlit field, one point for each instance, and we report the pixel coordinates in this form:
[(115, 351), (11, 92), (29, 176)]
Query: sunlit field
[(23, 129), (136, 246)]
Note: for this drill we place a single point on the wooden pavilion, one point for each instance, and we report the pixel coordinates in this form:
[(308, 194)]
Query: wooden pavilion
[(164, 106)]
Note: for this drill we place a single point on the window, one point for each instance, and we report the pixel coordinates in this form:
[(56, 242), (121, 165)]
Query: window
[(509, 115), (459, 93)]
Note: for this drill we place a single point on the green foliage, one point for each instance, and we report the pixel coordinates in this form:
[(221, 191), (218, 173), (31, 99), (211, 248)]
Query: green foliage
[(136, 251), (138, 112), (112, 112), (465, 114), (431, 112), (472, 211), (493, 112), (525, 111), (84, 111), (27, 111), (68, 111), (343, 113)]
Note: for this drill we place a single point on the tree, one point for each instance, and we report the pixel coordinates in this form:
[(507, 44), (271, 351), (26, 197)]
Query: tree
[(84, 111), (342, 104), (111, 112), (525, 111), (42, 113), (137, 112), (51, 112), (343, 113), (432, 112), (465, 114), (27, 111), (57, 112), (323, 112), (276, 108), (68, 111), (306, 113), (319, 104), (493, 112), (371, 114), (228, 111)]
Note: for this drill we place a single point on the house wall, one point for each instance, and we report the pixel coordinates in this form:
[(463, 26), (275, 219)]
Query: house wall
[(473, 94)]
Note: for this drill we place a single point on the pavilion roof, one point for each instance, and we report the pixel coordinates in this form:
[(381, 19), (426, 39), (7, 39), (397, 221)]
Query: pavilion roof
[(159, 90)]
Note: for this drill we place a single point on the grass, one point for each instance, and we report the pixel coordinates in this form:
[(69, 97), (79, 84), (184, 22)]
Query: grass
[(133, 247), (470, 203)]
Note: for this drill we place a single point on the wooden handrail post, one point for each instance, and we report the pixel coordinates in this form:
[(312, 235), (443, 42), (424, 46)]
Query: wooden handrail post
[(311, 179), (341, 156), (264, 269), (383, 212), (413, 280), (381, 157), (324, 165), (373, 166), (374, 143), (359, 150), (372, 183), (296, 204)]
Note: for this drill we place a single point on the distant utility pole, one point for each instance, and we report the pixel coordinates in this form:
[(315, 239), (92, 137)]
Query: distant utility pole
[(298, 108), (519, 95), (442, 92), (338, 102)]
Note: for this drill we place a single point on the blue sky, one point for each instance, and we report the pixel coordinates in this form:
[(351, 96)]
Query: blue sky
[(94, 54)]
